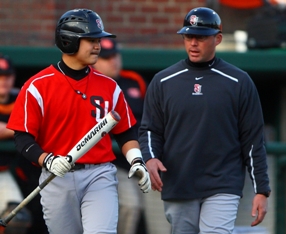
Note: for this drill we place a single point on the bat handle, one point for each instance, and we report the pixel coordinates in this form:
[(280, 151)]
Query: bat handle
[(13, 213), (46, 181)]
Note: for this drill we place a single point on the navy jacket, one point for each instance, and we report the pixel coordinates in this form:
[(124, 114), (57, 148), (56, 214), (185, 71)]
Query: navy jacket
[(205, 124)]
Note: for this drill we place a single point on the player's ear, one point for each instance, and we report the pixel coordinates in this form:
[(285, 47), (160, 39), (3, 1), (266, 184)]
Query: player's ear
[(218, 38)]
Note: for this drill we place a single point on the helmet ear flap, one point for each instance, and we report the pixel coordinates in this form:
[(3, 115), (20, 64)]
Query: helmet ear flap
[(67, 44)]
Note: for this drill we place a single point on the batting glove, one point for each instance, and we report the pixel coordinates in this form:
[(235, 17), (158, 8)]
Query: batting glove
[(58, 165), (139, 168)]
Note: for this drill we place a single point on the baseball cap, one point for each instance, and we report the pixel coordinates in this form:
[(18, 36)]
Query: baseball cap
[(109, 47), (6, 66)]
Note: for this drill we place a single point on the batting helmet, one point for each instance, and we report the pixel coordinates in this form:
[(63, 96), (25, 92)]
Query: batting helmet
[(76, 24), (201, 21)]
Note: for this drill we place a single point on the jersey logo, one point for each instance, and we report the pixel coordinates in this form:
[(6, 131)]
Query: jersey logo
[(197, 89), (101, 107)]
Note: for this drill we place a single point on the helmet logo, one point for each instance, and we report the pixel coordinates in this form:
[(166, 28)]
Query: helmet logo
[(99, 24), (194, 20)]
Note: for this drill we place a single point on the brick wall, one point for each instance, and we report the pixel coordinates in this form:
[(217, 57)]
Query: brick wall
[(137, 23)]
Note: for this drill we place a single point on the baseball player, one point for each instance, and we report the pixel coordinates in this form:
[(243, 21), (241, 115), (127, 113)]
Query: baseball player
[(59, 105), (10, 192), (133, 87), (202, 125)]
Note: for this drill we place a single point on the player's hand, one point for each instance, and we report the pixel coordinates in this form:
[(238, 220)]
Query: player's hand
[(154, 165), (259, 208), (58, 165), (138, 167)]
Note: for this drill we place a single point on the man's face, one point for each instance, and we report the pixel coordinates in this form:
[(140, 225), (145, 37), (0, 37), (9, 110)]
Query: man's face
[(88, 52), (201, 48), (6, 84), (109, 66)]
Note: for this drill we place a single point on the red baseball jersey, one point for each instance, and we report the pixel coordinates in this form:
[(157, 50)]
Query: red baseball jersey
[(49, 108)]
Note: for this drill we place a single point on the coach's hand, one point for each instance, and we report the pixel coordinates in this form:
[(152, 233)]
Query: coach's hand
[(56, 164), (138, 167), (155, 166), (259, 208)]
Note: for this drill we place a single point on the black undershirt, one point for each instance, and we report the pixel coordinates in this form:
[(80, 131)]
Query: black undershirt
[(30, 149), (204, 64), (74, 74)]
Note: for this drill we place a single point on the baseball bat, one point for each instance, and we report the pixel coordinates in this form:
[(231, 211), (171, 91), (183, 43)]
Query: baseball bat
[(94, 135)]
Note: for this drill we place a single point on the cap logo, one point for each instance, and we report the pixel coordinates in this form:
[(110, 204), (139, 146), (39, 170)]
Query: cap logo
[(99, 24), (194, 20), (4, 64), (106, 44)]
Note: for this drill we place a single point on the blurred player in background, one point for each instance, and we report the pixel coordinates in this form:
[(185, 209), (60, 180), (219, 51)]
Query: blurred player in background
[(10, 193), (27, 176), (131, 208)]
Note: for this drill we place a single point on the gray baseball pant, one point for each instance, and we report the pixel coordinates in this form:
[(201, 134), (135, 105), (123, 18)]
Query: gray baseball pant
[(215, 214), (84, 201)]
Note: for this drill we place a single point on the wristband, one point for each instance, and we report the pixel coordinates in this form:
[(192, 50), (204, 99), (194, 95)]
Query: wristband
[(132, 154)]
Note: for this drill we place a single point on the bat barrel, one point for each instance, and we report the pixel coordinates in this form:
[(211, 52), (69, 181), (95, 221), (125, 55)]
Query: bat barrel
[(115, 115), (94, 135)]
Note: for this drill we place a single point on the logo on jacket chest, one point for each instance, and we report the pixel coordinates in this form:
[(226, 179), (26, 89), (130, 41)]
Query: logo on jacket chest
[(197, 89)]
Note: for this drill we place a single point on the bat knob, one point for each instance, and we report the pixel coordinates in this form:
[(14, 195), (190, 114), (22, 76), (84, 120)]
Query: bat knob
[(2, 223)]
